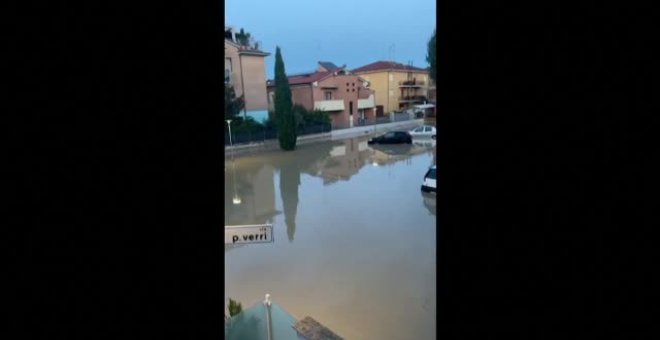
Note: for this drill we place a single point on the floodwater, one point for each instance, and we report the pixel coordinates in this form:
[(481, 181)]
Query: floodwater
[(354, 237)]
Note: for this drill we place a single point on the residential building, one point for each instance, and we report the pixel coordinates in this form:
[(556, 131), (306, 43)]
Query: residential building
[(431, 118), (432, 90), (245, 71), (347, 98), (396, 86)]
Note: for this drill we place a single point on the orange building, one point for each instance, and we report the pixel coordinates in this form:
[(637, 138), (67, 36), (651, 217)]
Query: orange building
[(346, 97)]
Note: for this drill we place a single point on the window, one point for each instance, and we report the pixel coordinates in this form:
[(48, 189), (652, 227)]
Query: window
[(419, 129), (353, 84), (328, 95), (427, 129), (228, 70)]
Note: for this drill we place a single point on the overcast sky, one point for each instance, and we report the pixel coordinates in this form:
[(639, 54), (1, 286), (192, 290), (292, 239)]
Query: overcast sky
[(351, 32)]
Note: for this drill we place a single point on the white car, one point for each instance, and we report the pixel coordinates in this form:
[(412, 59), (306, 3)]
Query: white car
[(424, 130), (424, 142), (429, 180)]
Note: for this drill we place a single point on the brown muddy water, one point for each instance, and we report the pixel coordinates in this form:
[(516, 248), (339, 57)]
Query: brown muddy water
[(354, 237)]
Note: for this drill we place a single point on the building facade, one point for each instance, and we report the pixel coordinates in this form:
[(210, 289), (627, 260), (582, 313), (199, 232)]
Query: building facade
[(245, 71), (397, 86), (347, 98)]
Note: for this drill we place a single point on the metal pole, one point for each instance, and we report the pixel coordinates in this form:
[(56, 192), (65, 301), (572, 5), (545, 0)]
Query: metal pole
[(231, 144), (269, 331), (236, 200)]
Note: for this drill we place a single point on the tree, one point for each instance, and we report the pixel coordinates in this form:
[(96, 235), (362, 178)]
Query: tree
[(233, 105), (430, 57), (243, 38), (286, 121), (235, 308)]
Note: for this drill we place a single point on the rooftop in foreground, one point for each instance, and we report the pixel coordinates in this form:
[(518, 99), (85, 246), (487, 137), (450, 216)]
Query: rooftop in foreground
[(263, 321)]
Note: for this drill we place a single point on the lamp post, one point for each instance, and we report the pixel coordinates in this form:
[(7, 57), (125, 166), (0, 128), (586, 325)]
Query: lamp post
[(231, 144), (236, 199)]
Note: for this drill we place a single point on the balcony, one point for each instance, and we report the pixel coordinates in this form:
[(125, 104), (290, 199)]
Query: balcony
[(329, 105), (411, 83), (366, 103), (412, 99)]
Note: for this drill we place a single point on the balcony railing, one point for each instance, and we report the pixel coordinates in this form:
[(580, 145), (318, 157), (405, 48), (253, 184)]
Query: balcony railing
[(366, 102), (413, 99), (329, 105), (414, 83)]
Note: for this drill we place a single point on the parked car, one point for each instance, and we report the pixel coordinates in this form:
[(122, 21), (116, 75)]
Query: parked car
[(424, 130), (392, 137), (428, 185)]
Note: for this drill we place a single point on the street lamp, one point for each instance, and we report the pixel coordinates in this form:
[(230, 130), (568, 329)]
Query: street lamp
[(236, 199), (231, 144)]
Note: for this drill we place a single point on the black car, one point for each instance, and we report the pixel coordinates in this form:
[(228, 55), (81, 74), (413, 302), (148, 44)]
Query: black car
[(392, 137)]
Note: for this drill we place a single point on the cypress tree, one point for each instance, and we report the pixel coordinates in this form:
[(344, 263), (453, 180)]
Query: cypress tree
[(430, 57), (286, 123)]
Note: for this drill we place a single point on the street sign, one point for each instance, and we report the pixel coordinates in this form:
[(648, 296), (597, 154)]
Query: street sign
[(246, 234)]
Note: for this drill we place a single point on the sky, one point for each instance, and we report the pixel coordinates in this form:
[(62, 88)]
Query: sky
[(351, 32)]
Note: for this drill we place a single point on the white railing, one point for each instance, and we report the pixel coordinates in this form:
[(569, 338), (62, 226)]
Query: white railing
[(366, 103), (329, 105)]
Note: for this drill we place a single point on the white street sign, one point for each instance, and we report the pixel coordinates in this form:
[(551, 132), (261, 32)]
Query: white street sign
[(245, 234)]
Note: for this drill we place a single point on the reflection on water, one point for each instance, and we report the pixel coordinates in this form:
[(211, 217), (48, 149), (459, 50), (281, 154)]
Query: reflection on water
[(429, 202), (289, 182), (359, 249)]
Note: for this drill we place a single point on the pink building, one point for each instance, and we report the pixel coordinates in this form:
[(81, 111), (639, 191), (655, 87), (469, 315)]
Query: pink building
[(346, 97), (246, 73)]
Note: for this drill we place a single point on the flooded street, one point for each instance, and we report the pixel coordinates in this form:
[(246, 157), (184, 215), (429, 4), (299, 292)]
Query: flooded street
[(354, 237)]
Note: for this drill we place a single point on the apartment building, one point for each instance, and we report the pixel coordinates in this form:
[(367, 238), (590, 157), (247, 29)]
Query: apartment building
[(347, 98), (245, 71), (397, 86)]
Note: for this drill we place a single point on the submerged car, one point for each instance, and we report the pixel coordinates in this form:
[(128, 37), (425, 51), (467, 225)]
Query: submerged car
[(423, 131), (392, 137), (428, 185)]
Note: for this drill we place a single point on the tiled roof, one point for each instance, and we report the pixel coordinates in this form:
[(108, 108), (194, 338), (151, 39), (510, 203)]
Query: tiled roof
[(300, 79), (386, 65)]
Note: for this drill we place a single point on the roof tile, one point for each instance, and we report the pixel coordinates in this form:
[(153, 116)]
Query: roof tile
[(386, 65)]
